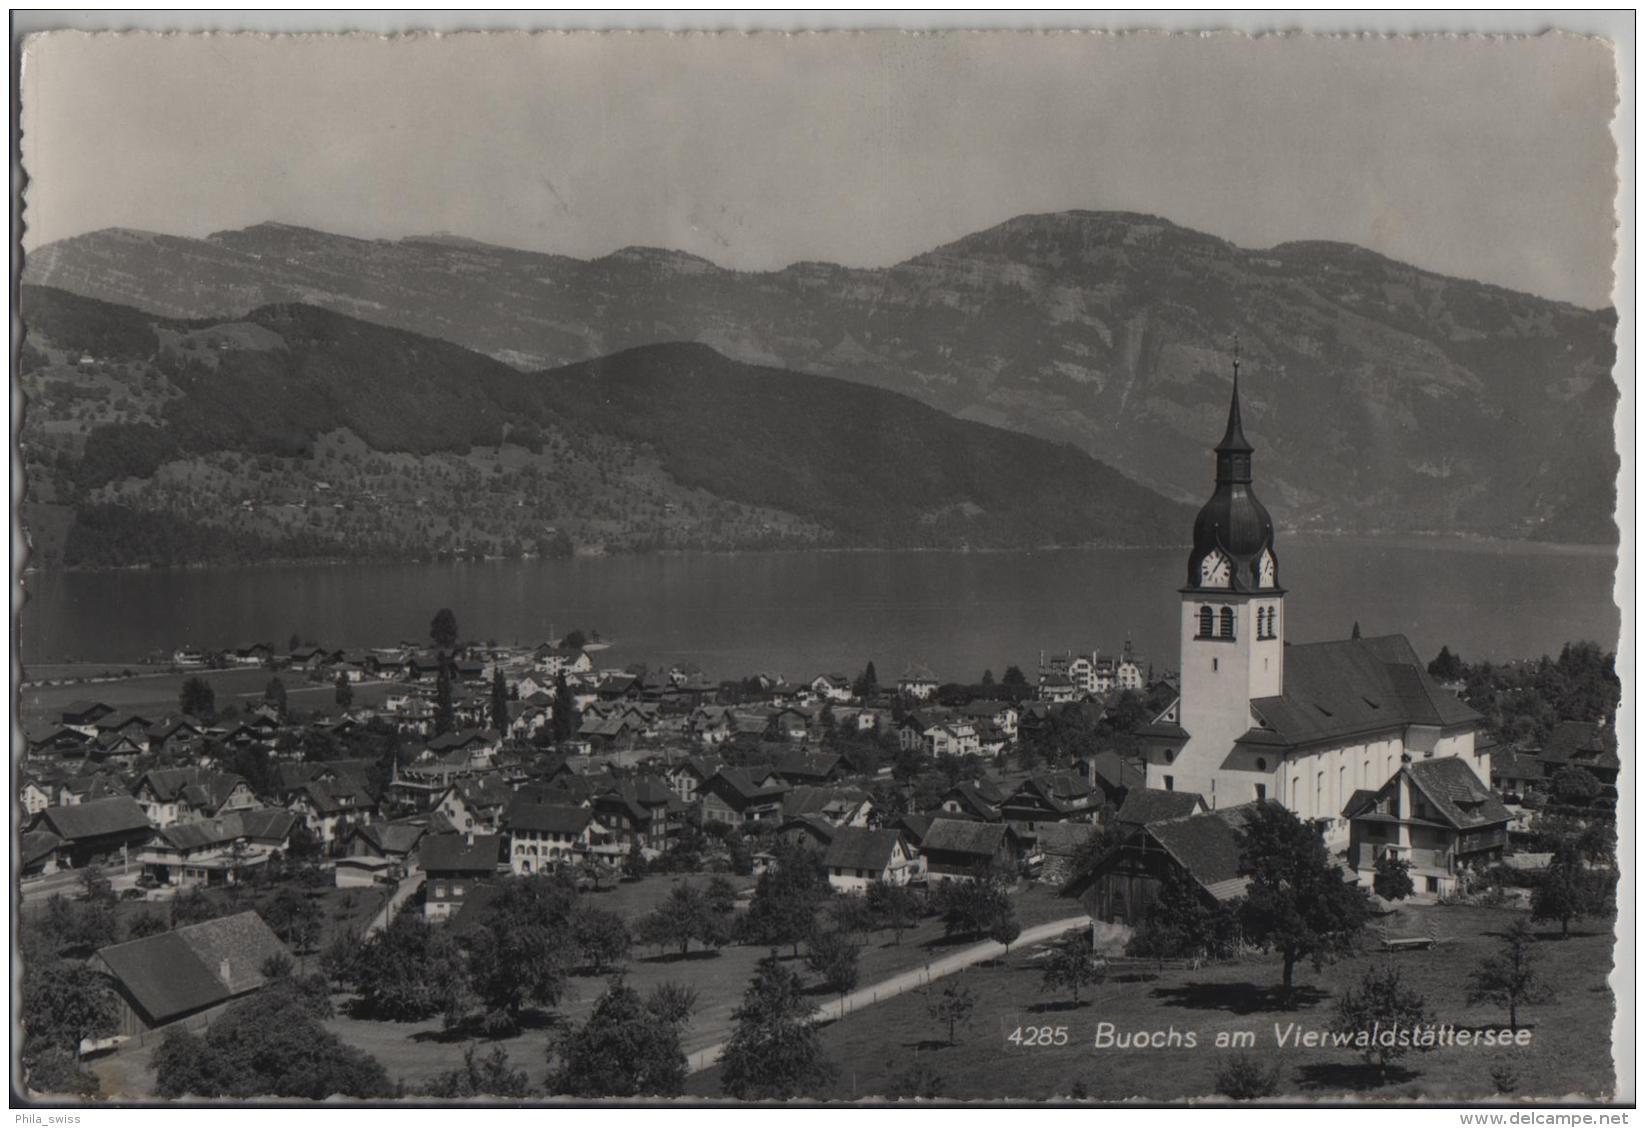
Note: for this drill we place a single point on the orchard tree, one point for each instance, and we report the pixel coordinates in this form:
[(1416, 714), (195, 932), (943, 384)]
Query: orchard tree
[(1182, 923), (896, 907), (405, 972), (1569, 890), (952, 1006), (491, 1076), (786, 899), (1575, 786), (1070, 967), (1510, 978), (602, 938), (774, 1052), (1380, 1000), (627, 1048), (1297, 902), (833, 955), (1392, 879), (64, 1002)]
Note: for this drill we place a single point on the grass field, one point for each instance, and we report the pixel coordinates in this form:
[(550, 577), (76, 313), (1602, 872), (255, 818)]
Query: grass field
[(150, 692), (1569, 1053)]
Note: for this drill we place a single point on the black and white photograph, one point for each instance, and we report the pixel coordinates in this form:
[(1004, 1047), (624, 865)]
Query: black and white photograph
[(872, 567)]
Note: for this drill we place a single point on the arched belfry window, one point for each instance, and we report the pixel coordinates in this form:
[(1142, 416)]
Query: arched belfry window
[(1205, 622), (1227, 623)]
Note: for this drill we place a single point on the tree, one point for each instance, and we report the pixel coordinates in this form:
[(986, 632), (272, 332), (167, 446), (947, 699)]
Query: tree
[(918, 1082), (1297, 902), (1381, 1000), (987, 681), (338, 959), (197, 698), (1575, 786), (1392, 879), (565, 711), (1014, 678), (625, 1049), (1355, 633), (266, 1046), (576, 640), (274, 694), (294, 918), (786, 899), (1070, 967), (972, 907), (1245, 1078), (833, 955), (1182, 923), (1446, 667), (952, 1007), (1569, 890), (145, 924), (1006, 928), (445, 713), (868, 683), (895, 907), (193, 905), (774, 1051), (96, 888), (517, 955), (686, 914), (602, 938), (407, 971), (443, 630), (80, 928), (672, 1002), (1510, 978), (499, 701), (345, 691), (55, 1071), (64, 1002), (490, 1076)]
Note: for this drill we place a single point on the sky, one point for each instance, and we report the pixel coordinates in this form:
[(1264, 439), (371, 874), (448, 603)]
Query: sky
[(1488, 158)]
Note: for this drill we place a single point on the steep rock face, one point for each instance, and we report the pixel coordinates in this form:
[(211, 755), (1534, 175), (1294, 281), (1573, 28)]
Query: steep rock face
[(1379, 396)]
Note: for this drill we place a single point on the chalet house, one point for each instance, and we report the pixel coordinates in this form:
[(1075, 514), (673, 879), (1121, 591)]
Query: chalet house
[(84, 715), (709, 725), (751, 723), (1125, 881), (172, 795), (1002, 714), (1144, 805), (917, 682), (832, 687), (37, 854), (454, 864), (645, 809), (612, 731), (811, 830), (975, 799), (731, 796), (133, 727), (939, 734), (1051, 798), (1517, 774), (797, 768), (958, 849), (687, 777), (174, 975), (100, 829), (62, 742), (526, 719), (1113, 775), (90, 786), (394, 841), (475, 802), (858, 857), (840, 806), (790, 723), (1436, 815), (176, 736), (1057, 688), (857, 720), (217, 851), (34, 798), (554, 660), (541, 836), (1058, 849), (1579, 744), (330, 807)]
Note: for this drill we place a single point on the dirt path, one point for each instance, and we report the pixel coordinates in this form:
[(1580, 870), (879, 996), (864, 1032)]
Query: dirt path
[(409, 884), (908, 980)]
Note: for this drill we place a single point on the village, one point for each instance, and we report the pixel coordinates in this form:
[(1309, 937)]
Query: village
[(437, 776)]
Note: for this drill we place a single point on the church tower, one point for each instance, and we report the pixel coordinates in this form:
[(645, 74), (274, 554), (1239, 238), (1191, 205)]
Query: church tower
[(1233, 623)]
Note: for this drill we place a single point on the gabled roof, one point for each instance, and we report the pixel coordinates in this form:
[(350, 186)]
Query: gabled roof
[(118, 814), (1207, 846), (1064, 839), (264, 823), (963, 836), (816, 800), (1460, 797), (455, 853), (546, 818), (1117, 773), (1144, 805), (814, 765), (1582, 743), (818, 826), (1335, 690), (738, 783), (176, 973), (858, 847), (38, 844)]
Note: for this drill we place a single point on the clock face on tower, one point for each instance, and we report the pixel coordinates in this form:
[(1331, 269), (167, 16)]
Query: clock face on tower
[(1213, 570), (1265, 570)]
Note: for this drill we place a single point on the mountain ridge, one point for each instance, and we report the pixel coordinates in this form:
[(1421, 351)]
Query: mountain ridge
[(1383, 397)]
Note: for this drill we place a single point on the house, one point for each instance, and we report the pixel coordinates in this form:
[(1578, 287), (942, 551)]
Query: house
[(797, 768), (171, 795), (1517, 774), (733, 797), (176, 735), (1001, 714), (89, 786), (331, 806), (173, 975), (1125, 881), (555, 660), (1144, 805), (541, 836), (455, 864), (1114, 775), (917, 682), (96, 830), (841, 806), (475, 802), (1050, 798), (1586, 745), (217, 851), (395, 841), (687, 777), (38, 853), (1436, 815), (1057, 688), (644, 810), (939, 733), (84, 715), (1059, 848), (832, 687), (34, 797), (859, 856), (810, 830), (959, 849), (974, 799)]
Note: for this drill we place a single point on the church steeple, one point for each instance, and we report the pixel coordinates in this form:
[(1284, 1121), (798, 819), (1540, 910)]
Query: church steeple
[(1234, 451), (1233, 536)]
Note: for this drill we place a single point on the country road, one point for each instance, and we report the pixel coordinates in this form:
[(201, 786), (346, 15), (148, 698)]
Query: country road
[(910, 980)]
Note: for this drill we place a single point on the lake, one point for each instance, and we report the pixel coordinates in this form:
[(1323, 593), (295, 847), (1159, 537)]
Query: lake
[(801, 614)]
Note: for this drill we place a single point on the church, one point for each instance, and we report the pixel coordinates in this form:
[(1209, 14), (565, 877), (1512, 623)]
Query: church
[(1259, 719)]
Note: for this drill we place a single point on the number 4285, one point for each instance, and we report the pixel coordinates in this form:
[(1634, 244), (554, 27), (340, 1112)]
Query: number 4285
[(1039, 1036)]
